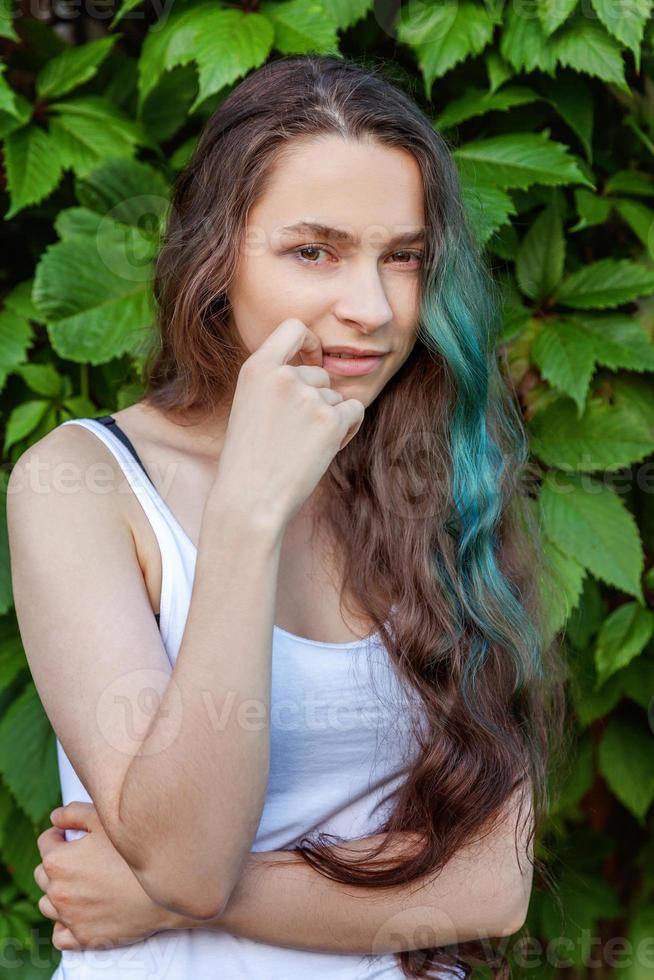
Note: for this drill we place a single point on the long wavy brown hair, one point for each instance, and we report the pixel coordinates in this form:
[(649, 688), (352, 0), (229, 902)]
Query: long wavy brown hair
[(431, 505)]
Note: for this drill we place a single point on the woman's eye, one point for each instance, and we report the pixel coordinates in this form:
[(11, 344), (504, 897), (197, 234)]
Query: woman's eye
[(309, 248), (415, 256)]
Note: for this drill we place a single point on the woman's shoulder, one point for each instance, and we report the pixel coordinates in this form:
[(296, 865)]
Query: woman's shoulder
[(67, 474)]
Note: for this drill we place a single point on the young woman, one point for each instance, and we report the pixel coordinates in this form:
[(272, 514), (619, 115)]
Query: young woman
[(293, 595)]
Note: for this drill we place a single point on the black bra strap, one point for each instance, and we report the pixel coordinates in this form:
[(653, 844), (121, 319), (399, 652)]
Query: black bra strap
[(110, 421)]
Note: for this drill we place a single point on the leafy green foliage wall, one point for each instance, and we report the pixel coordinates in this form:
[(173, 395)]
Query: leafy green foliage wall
[(549, 109)]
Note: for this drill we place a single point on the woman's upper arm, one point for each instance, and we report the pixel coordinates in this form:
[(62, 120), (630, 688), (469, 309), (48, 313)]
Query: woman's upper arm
[(86, 624)]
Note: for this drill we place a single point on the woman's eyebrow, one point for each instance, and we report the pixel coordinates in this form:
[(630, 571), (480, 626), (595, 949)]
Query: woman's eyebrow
[(345, 237)]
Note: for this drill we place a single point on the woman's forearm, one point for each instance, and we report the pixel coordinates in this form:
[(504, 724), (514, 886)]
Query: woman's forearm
[(198, 782), (282, 901)]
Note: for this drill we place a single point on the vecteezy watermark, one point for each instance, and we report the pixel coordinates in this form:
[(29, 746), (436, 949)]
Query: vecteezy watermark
[(101, 10), (127, 706), (424, 925), (411, 927), (151, 957), (69, 478)]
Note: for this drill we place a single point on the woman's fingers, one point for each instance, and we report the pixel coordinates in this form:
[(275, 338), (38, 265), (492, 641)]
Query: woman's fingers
[(46, 908), (312, 375), (62, 938), (289, 338), (330, 396), (41, 878), (351, 413), (76, 815), (50, 838)]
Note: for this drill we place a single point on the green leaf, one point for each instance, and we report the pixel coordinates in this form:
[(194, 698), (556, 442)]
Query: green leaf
[(504, 243), (587, 617), (579, 779), (553, 13), (224, 43), (24, 419), (19, 300), (584, 45), (346, 13), (625, 21), (637, 680), (498, 70), (8, 101), (589, 522), (593, 209), (231, 47), (6, 21), (515, 315), (167, 106), (630, 182), (128, 191), (183, 153), (30, 774), (540, 259), (444, 34), (640, 219), (619, 340), (591, 702), (73, 222), (564, 353), (12, 656), (97, 301), (605, 283), (32, 167), (488, 207), (72, 67), (21, 854), (88, 130), (572, 98), (572, 912), (639, 937), (477, 102), (603, 438), (11, 122), (162, 45), (626, 761), (622, 637), (125, 8), (634, 394), (43, 379), (302, 26), (524, 43), (560, 590), (15, 339), (519, 160)]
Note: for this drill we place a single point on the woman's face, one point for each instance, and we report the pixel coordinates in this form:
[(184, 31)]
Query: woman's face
[(361, 293)]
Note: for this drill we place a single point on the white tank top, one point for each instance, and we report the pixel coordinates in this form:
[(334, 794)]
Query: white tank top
[(339, 747)]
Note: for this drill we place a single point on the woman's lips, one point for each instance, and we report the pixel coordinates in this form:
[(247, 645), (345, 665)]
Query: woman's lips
[(349, 367)]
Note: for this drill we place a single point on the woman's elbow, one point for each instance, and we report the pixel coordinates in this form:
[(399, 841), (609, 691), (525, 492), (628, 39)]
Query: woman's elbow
[(182, 894), (179, 889)]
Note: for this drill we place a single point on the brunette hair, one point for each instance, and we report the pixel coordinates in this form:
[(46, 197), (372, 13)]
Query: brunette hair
[(428, 504)]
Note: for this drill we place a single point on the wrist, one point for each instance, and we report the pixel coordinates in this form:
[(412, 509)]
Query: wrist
[(230, 501)]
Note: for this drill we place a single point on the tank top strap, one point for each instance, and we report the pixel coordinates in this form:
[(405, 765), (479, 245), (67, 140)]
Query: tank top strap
[(118, 443), (109, 420)]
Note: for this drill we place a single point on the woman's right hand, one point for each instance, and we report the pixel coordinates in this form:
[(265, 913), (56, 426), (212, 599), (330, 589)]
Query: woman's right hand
[(286, 423)]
